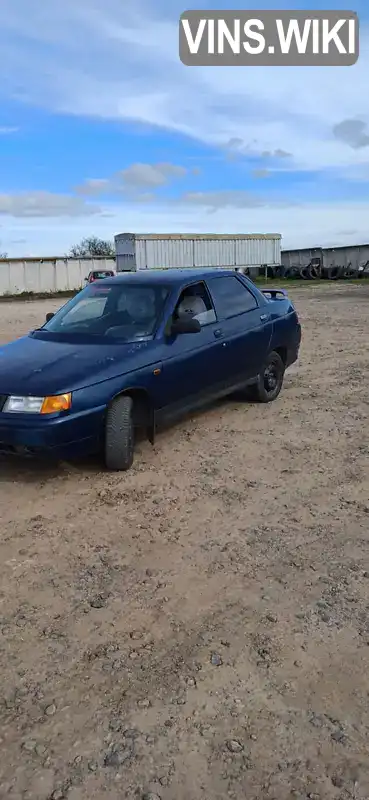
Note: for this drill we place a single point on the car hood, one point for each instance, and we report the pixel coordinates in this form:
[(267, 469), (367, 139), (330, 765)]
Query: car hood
[(41, 366)]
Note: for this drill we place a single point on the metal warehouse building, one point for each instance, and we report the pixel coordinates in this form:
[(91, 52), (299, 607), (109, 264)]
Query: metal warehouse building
[(349, 255), (162, 250)]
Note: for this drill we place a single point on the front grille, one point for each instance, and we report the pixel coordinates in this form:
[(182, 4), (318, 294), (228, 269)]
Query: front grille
[(3, 398)]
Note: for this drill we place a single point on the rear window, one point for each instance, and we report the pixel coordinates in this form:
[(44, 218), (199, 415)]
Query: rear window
[(103, 274)]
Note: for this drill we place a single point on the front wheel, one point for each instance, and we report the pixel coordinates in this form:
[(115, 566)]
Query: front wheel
[(119, 434), (270, 380)]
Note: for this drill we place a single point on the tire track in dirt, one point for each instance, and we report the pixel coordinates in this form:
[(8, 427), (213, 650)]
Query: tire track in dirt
[(241, 536)]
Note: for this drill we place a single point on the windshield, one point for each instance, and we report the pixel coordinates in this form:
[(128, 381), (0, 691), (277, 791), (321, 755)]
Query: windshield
[(124, 311)]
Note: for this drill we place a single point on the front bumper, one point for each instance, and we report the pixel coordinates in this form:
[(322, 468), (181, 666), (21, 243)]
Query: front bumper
[(60, 436)]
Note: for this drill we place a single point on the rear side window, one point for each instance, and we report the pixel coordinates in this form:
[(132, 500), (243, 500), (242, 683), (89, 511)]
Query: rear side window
[(231, 297)]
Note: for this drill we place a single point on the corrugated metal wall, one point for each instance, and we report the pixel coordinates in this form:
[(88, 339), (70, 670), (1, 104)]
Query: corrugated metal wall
[(185, 251), (210, 253), (330, 256), (300, 258), (161, 253), (48, 274), (343, 256), (255, 252)]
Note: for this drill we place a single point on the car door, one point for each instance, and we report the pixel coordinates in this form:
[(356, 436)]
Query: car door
[(192, 363), (246, 327)]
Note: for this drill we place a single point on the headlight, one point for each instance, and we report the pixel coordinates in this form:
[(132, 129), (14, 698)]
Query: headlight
[(38, 405)]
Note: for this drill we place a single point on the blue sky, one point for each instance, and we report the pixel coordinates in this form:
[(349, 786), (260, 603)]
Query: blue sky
[(103, 130)]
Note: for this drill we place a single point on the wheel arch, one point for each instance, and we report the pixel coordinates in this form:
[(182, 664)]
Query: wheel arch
[(143, 408), (282, 352)]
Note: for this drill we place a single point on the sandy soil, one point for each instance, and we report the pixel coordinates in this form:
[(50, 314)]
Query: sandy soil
[(198, 627)]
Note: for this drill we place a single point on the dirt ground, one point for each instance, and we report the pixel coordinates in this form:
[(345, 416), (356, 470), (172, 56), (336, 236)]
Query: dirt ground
[(198, 628)]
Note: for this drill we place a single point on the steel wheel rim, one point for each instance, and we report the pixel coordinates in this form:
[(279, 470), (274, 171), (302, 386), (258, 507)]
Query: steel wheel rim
[(271, 378)]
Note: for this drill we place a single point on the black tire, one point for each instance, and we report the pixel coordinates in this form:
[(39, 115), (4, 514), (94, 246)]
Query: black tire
[(119, 434), (350, 274), (273, 373), (314, 273)]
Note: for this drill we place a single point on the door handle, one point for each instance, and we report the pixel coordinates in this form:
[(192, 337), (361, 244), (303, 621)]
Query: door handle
[(263, 317), (218, 333)]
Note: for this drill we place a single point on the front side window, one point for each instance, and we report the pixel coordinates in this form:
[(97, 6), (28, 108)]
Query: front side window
[(231, 296), (127, 312), (196, 303)]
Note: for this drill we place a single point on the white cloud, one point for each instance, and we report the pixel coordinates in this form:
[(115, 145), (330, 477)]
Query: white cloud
[(130, 70), (306, 225), (261, 173), (95, 186), (6, 130), (45, 204), (135, 178), (226, 198), (146, 175), (278, 153), (353, 132), (114, 60)]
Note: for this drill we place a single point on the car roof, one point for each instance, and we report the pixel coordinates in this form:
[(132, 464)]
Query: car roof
[(169, 276)]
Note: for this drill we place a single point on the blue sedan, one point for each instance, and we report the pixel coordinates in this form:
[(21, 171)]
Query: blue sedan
[(136, 350)]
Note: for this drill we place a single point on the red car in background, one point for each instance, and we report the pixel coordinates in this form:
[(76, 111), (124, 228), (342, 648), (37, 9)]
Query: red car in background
[(97, 274)]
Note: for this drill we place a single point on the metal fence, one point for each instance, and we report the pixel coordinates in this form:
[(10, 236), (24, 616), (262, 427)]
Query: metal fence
[(35, 275)]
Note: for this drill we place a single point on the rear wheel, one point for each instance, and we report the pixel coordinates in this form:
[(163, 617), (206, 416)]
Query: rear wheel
[(119, 434), (270, 381)]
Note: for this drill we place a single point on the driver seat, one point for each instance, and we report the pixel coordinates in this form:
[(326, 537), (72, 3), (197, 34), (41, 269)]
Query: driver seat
[(191, 306)]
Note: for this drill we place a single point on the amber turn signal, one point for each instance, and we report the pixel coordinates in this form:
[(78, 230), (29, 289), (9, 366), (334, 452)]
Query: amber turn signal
[(60, 402)]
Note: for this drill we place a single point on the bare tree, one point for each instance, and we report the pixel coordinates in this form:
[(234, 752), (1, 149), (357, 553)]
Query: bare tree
[(92, 246)]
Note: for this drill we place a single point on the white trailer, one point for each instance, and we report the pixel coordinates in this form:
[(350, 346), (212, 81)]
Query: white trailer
[(250, 252)]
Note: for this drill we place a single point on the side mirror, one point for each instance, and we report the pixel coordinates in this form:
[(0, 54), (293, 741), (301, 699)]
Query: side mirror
[(49, 316), (184, 325)]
